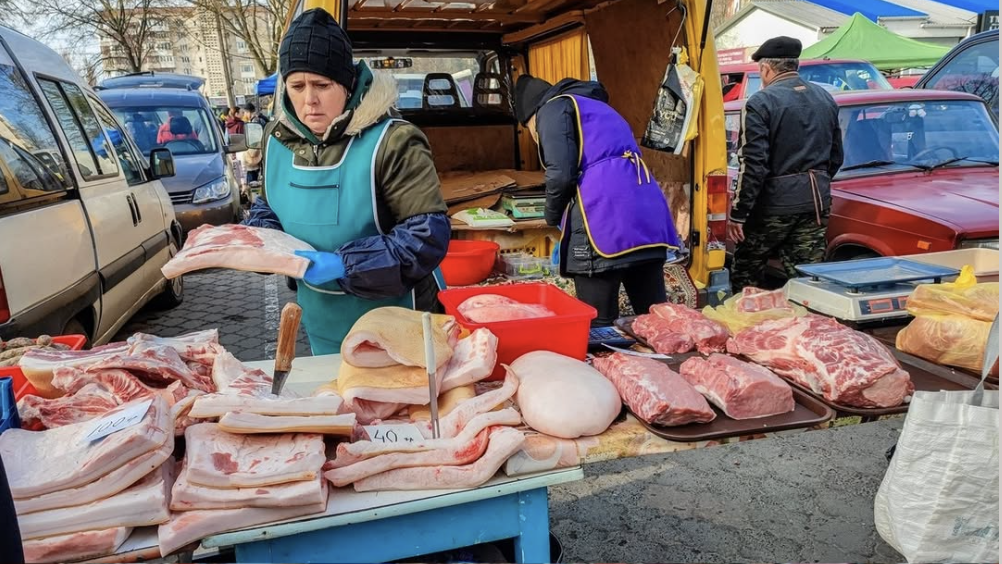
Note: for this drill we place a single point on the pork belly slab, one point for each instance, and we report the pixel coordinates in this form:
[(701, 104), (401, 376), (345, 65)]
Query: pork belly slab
[(219, 459), (186, 496), (75, 546)]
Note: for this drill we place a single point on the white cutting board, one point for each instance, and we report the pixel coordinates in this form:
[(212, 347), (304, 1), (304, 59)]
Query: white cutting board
[(307, 374)]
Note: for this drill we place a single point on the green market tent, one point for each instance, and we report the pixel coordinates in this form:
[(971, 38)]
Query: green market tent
[(860, 38)]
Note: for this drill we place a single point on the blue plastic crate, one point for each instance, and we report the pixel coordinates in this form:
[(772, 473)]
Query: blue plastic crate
[(8, 406)]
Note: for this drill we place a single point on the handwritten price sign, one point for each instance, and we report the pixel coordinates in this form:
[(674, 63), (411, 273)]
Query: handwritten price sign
[(118, 421), (391, 434)]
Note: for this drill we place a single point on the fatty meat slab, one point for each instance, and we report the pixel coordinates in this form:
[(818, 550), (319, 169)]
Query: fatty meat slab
[(842, 365), (456, 421), (389, 336), (218, 405), (42, 462), (253, 424), (447, 401), (38, 364), (199, 346), (187, 527), (459, 453), (75, 546), (218, 459), (564, 397), (660, 335), (106, 486), (654, 392), (232, 377), (186, 496), (753, 300), (144, 503), (156, 364), (472, 361), (239, 247), (739, 389), (708, 335), (484, 300), (503, 443)]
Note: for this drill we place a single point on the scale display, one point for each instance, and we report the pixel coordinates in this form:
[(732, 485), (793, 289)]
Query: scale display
[(879, 306)]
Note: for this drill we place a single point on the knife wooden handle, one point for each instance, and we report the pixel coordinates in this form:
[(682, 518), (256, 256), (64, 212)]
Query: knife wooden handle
[(288, 329)]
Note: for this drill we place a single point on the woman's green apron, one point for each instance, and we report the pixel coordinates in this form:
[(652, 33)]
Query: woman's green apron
[(328, 206)]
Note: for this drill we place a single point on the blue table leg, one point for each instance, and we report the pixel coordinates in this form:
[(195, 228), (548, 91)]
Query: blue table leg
[(533, 543), (522, 516)]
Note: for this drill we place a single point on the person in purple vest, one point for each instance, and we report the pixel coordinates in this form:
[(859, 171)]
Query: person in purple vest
[(615, 224)]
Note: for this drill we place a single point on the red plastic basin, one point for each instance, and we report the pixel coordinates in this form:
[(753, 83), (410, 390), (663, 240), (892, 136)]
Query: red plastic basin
[(565, 333), (469, 262), (22, 387)]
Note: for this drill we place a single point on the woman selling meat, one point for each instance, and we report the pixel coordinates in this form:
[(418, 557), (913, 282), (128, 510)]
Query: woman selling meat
[(344, 174)]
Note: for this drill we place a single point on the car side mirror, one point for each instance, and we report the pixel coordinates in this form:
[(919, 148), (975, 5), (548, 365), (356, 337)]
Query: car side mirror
[(161, 163), (253, 134), (236, 143)]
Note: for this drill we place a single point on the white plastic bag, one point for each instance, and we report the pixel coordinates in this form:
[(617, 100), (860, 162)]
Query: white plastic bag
[(939, 501)]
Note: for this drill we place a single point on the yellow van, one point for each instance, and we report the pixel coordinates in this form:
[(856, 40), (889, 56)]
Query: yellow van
[(625, 44)]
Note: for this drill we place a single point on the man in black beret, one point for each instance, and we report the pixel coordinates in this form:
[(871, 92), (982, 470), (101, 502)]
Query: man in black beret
[(791, 148)]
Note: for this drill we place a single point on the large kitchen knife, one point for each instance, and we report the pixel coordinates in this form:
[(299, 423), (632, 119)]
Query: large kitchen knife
[(288, 329)]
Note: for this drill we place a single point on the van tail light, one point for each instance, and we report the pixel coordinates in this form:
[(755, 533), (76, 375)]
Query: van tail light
[(4, 308), (717, 206)]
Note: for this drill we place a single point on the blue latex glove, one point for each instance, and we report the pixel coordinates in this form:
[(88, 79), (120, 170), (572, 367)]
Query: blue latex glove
[(555, 257), (324, 267)]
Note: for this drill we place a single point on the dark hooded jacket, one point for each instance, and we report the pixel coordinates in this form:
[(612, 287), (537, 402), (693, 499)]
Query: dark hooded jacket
[(557, 128)]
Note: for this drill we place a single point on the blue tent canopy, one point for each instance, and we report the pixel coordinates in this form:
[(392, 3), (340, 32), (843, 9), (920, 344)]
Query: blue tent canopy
[(266, 86), (872, 9)]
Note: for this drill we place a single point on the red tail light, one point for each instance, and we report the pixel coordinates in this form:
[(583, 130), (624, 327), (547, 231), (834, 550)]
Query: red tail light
[(717, 205), (4, 308)]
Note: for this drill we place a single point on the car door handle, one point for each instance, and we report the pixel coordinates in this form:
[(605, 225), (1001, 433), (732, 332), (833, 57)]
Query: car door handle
[(135, 202), (132, 210)]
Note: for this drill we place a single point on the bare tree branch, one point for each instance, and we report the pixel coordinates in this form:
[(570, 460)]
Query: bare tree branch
[(258, 23)]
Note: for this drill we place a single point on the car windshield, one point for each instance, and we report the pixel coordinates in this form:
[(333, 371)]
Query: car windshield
[(834, 77), (974, 70), (438, 81), (185, 131), (918, 134)]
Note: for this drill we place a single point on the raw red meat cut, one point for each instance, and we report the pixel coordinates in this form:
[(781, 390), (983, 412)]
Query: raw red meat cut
[(41, 462), (38, 364), (753, 300), (739, 389), (843, 365), (461, 453), (200, 347), (156, 364), (504, 442), (655, 393), (472, 361), (708, 335), (230, 376), (659, 334), (187, 496), (143, 504), (105, 486), (239, 247), (75, 546), (218, 459)]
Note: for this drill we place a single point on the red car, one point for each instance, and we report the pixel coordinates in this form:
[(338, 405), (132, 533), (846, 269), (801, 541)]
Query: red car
[(921, 173), (742, 80)]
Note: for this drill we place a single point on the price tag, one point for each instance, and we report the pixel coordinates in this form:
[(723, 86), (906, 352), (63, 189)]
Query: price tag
[(404, 433), (118, 421)]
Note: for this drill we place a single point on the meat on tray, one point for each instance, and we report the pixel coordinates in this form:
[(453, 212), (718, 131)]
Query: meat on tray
[(739, 389), (239, 247), (708, 335), (38, 364), (843, 365), (472, 361), (254, 424), (654, 392), (503, 442), (389, 336), (187, 496), (106, 486), (660, 335), (187, 527), (491, 308), (142, 504), (41, 462), (217, 405), (219, 459), (75, 546)]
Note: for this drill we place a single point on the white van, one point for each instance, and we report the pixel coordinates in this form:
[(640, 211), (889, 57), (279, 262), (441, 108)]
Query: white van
[(85, 223)]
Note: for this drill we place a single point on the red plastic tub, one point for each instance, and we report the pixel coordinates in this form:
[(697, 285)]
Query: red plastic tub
[(469, 262), (566, 333), (22, 387)]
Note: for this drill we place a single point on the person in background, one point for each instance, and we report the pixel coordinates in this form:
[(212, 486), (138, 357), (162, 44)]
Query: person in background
[(166, 133), (234, 125), (251, 115), (791, 148), (615, 222), (343, 173)]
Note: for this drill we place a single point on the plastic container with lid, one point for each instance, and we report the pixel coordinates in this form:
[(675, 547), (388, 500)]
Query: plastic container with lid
[(565, 333)]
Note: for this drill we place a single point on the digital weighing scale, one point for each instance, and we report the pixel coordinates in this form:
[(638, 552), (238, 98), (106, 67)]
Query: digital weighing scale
[(863, 291)]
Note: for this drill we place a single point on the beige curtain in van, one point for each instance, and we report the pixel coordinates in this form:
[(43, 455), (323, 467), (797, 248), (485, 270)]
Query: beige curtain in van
[(564, 56)]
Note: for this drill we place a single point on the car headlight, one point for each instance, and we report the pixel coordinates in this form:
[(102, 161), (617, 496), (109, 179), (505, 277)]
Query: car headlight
[(980, 244), (216, 190)]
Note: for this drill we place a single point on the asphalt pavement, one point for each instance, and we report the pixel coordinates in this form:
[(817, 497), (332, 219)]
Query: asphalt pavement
[(806, 497)]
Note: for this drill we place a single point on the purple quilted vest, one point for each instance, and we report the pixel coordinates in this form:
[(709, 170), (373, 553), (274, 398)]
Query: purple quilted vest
[(624, 210)]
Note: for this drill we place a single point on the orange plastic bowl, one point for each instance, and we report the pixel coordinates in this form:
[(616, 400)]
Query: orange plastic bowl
[(469, 262)]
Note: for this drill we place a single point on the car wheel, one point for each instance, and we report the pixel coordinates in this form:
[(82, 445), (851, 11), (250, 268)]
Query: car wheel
[(173, 294), (853, 253), (75, 327)]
